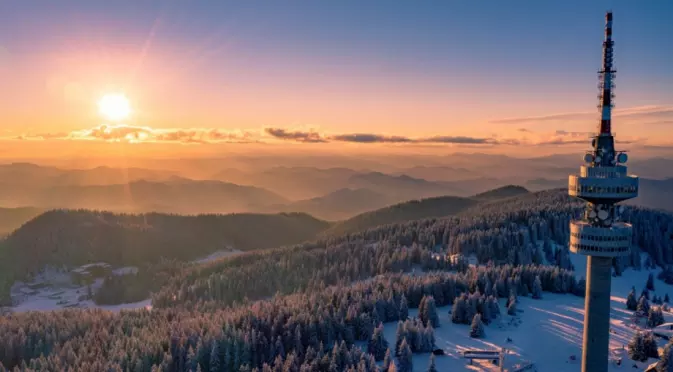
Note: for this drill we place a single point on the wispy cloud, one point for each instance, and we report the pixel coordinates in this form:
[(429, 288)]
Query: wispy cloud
[(629, 112), (141, 134), (369, 138), (136, 134), (299, 136)]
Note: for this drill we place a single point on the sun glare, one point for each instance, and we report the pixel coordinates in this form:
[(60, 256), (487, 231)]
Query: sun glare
[(114, 107)]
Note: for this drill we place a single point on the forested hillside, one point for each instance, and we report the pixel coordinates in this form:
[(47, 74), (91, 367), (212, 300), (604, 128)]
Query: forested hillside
[(76, 237), (440, 206), (411, 210), (518, 231), (203, 318), (313, 331), (501, 193)]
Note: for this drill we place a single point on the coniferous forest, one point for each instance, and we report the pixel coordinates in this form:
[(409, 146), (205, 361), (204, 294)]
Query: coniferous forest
[(318, 306)]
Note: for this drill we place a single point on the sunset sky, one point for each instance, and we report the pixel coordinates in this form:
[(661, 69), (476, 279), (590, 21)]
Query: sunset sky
[(500, 76)]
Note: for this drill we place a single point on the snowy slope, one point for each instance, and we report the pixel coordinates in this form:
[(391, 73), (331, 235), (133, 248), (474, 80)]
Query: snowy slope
[(549, 333)]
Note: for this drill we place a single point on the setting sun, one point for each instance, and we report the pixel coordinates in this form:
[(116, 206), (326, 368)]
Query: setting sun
[(114, 107)]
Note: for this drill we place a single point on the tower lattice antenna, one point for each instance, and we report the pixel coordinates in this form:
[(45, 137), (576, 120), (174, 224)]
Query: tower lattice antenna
[(606, 77)]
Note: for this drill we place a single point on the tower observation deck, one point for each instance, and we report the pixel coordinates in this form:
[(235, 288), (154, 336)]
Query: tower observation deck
[(600, 234)]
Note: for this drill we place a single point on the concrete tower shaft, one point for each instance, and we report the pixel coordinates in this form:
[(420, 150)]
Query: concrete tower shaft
[(600, 234)]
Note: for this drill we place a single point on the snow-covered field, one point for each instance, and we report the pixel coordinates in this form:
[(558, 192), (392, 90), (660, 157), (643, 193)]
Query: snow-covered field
[(55, 289), (549, 333)]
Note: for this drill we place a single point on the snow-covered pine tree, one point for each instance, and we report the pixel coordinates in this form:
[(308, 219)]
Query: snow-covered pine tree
[(387, 359), (650, 345), (511, 309), (404, 308), (659, 316), (428, 314), (400, 335), (643, 305), (477, 328), (650, 282), (537, 288), (486, 315), (378, 344), (458, 311), (404, 360), (665, 364), (421, 309), (495, 307), (636, 348), (631, 302)]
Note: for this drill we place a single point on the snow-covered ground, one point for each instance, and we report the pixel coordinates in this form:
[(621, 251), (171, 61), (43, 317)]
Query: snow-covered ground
[(55, 289), (549, 332), (217, 255)]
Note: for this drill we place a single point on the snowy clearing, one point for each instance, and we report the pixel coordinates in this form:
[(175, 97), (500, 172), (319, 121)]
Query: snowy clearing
[(549, 333)]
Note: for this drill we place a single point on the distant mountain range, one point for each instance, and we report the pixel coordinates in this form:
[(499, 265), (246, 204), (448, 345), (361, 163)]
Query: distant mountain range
[(334, 193)]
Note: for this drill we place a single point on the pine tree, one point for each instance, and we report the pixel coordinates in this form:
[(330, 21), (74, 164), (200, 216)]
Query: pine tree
[(429, 313), (666, 299), (511, 309), (378, 345), (386, 360), (636, 348), (650, 345), (215, 365), (631, 302), (458, 311), (400, 335), (477, 328), (431, 366), (650, 282), (537, 288), (643, 305), (665, 364), (404, 360), (404, 308), (655, 317)]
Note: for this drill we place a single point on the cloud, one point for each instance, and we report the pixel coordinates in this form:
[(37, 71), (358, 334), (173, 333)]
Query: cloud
[(552, 117), (369, 138), (141, 134), (315, 137), (565, 133), (299, 136), (136, 134), (629, 112), (461, 140)]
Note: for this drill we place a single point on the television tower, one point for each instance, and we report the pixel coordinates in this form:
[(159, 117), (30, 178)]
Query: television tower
[(600, 235)]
